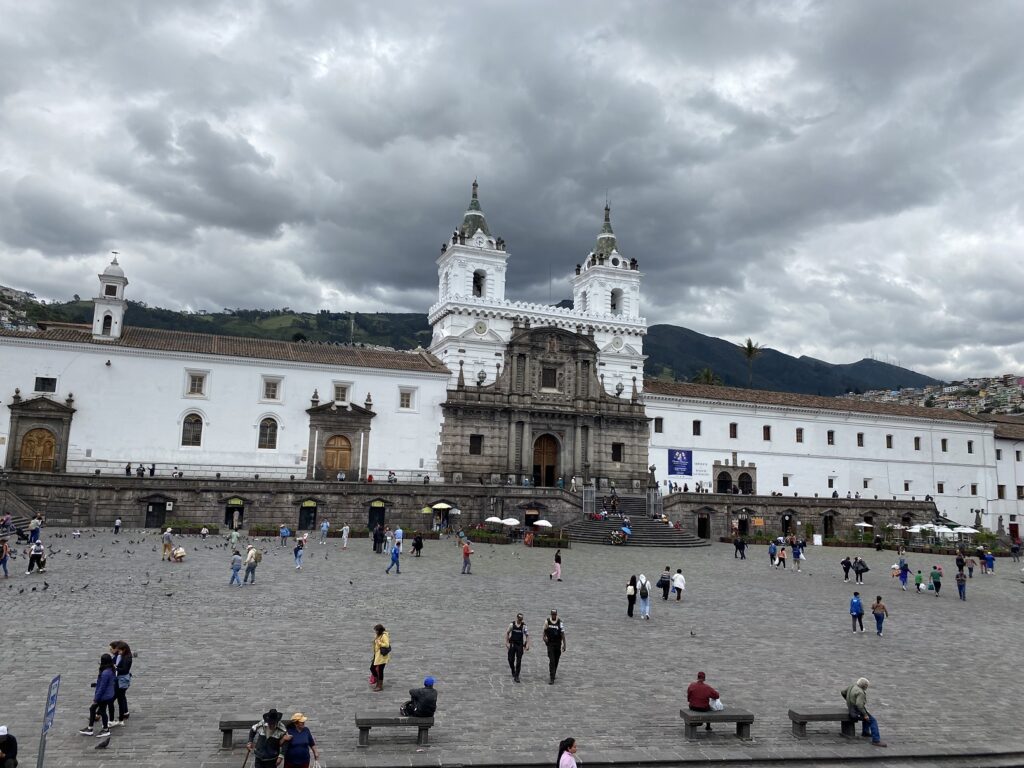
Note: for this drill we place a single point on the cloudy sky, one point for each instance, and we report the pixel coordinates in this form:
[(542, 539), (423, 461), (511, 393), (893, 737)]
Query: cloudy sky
[(831, 179)]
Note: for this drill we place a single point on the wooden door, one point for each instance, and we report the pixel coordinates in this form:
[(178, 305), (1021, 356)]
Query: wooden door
[(38, 449), (545, 460), (337, 454)]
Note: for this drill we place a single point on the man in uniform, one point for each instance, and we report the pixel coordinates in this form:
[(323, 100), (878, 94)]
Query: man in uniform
[(517, 640), (554, 639)]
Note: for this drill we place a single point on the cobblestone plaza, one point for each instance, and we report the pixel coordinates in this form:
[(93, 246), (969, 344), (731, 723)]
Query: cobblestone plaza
[(946, 677)]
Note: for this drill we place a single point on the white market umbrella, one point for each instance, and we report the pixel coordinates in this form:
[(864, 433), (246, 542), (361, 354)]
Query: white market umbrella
[(927, 526), (943, 530), (454, 511), (442, 505), (493, 520), (543, 523), (964, 529), (510, 521), (914, 529), (898, 527), (863, 525)]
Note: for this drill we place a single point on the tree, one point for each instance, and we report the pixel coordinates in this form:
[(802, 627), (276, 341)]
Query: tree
[(750, 351), (707, 376)]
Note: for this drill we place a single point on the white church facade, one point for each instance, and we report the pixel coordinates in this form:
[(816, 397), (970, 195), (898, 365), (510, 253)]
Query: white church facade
[(81, 399)]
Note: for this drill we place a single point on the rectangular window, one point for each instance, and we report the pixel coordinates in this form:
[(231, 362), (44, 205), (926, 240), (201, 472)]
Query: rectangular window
[(799, 434), (617, 450), (831, 482), (195, 383), (734, 430), (906, 486), (944, 443), (999, 454), (785, 481), (46, 384), (407, 399), (860, 439), (549, 378), (696, 427), (476, 445), (110, 290), (1000, 491), (970, 446), (830, 437), (271, 388), (867, 482), (1018, 455), (341, 390), (888, 441), (1020, 491), (659, 424), (917, 443), (766, 432), (974, 489), (940, 488)]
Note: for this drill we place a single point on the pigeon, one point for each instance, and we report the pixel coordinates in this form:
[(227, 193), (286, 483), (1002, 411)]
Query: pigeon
[(46, 586), (85, 587), (103, 744), (692, 633), (33, 589), (169, 594), (21, 591)]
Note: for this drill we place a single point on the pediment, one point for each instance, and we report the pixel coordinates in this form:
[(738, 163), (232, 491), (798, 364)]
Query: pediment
[(339, 409), (41, 406), (471, 335), (156, 498)]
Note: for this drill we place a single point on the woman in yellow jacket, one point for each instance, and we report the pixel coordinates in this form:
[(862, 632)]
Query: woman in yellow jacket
[(381, 656)]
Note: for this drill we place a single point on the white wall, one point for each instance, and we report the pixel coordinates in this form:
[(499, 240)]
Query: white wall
[(132, 410), (810, 464), (1009, 474)]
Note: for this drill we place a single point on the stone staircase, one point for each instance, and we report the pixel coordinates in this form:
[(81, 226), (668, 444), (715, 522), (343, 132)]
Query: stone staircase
[(646, 532)]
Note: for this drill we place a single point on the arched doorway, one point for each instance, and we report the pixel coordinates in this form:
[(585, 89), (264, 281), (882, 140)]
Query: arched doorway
[(703, 525), (745, 483), (337, 455), (828, 525), (376, 512), (742, 522), (307, 515), (38, 449), (788, 523), (545, 460), (724, 483), (234, 512)]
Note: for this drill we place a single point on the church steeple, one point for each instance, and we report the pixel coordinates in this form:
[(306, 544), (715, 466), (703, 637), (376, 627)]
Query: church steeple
[(606, 242), (474, 219), (109, 306)]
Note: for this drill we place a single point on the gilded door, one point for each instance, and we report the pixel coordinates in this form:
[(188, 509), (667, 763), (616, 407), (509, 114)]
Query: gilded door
[(338, 454), (38, 449)]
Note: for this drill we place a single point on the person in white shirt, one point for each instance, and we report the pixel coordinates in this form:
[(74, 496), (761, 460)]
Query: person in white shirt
[(344, 536), (678, 583)]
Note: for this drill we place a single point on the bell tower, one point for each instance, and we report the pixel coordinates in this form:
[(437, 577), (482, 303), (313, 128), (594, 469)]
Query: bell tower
[(109, 307)]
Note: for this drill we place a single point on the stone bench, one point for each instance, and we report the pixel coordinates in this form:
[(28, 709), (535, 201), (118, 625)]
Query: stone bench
[(365, 722), (742, 718), (803, 715), (229, 726)]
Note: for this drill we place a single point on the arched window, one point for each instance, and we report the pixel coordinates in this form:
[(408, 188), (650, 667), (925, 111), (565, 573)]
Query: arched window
[(583, 301), (479, 283), (444, 284), (192, 430), (616, 303), (268, 434), (108, 322)]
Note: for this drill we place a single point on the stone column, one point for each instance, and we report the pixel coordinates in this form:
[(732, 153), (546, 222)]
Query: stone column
[(527, 465)]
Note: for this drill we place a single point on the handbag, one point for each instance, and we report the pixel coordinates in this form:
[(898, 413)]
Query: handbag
[(662, 582), (716, 705), (630, 590), (385, 650), (124, 681)]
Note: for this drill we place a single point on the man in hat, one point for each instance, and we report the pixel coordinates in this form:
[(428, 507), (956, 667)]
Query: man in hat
[(8, 749), (423, 702), (699, 695), (252, 559), (266, 738), (554, 639), (857, 701), (168, 540)]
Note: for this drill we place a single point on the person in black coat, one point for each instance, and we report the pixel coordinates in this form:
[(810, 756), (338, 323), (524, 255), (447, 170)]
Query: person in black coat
[(8, 749), (423, 702)]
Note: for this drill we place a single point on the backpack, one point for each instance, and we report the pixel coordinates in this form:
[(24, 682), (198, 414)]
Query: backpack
[(644, 593), (259, 556)]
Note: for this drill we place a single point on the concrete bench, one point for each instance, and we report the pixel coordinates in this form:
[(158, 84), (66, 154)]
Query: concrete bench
[(229, 726), (803, 715), (742, 718), (367, 721)]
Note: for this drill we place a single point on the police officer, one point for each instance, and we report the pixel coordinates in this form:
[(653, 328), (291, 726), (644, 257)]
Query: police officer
[(517, 640), (554, 639)]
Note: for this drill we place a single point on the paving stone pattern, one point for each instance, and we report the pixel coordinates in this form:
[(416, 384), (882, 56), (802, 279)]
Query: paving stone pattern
[(946, 676)]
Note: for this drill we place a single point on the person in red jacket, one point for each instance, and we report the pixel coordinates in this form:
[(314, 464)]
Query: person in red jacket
[(699, 695)]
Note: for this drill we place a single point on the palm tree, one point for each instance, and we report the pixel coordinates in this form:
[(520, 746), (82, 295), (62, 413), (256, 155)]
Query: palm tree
[(750, 351), (707, 376)]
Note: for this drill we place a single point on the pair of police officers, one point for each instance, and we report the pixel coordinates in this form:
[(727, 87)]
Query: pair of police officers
[(517, 641)]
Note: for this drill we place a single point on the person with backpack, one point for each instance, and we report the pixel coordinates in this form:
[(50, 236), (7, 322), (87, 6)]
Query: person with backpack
[(103, 698), (631, 595), (252, 559), (554, 639), (517, 641), (857, 612), (643, 591), (266, 738)]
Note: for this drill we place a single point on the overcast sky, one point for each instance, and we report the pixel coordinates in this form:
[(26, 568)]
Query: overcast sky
[(830, 179)]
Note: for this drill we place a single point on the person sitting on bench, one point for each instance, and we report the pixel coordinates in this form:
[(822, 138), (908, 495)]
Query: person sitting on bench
[(699, 695), (423, 702)]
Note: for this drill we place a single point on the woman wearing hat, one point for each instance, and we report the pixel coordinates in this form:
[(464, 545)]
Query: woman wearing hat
[(299, 743), (381, 656)]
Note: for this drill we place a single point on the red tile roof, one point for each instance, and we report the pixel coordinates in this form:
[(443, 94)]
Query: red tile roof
[(238, 346), (1007, 425), (791, 400)]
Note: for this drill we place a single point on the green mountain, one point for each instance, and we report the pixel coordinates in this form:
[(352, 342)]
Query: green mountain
[(673, 352)]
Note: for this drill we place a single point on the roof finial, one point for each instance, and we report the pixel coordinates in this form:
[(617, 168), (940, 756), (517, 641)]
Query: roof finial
[(475, 187), (115, 257)]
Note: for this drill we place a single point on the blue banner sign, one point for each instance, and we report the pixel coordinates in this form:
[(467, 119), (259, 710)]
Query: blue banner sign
[(680, 462)]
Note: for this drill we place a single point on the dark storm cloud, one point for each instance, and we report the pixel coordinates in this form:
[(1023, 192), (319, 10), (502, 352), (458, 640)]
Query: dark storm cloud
[(831, 179)]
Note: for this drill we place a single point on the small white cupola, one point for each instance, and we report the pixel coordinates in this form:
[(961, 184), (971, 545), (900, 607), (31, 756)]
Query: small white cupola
[(109, 306)]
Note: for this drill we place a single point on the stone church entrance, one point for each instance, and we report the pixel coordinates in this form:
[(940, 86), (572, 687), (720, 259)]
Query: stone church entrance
[(545, 461), (337, 455), (38, 449)]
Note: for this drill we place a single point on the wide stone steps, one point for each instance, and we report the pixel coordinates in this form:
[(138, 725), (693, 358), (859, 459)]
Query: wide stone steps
[(646, 533)]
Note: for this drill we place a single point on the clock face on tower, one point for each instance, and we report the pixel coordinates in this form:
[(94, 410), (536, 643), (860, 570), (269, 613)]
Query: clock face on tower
[(480, 327), (617, 343)]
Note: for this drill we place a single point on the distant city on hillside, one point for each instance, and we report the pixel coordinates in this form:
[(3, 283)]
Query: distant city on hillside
[(995, 394)]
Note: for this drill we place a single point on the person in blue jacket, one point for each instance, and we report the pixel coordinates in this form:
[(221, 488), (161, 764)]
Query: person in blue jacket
[(857, 611), (103, 697)]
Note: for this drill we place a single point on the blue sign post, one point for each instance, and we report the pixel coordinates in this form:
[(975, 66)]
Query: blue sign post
[(48, 715)]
